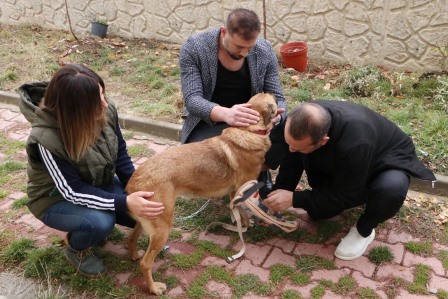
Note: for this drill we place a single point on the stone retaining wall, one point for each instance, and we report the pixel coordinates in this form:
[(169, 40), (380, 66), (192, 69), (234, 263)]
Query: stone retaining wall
[(399, 34)]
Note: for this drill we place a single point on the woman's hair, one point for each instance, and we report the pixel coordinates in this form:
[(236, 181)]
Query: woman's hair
[(309, 119), (243, 22), (73, 98)]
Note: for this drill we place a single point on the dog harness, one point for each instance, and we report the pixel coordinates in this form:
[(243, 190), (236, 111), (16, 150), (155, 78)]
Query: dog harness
[(243, 206)]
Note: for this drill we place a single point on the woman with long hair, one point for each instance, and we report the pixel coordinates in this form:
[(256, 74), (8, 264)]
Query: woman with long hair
[(78, 164)]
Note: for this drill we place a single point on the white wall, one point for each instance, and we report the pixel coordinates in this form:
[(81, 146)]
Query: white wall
[(398, 34)]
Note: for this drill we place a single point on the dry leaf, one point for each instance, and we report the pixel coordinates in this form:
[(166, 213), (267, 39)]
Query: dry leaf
[(66, 52)]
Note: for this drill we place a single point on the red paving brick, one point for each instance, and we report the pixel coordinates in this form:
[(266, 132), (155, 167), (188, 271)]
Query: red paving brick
[(220, 240), (325, 251), (278, 257), (438, 282), (246, 267), (333, 275), (361, 264), (218, 289), (392, 270), (256, 253), (435, 264), (259, 257), (285, 245)]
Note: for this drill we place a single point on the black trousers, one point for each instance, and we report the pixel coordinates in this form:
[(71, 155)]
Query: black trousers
[(387, 192), (274, 155)]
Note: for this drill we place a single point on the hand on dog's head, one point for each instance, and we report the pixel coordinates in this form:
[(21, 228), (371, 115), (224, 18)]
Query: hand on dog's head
[(266, 105)]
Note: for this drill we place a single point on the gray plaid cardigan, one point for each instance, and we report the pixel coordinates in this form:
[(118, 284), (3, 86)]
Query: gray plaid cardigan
[(199, 67)]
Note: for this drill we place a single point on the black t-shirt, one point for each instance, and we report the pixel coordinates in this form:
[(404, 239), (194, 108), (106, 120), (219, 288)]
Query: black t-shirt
[(232, 87)]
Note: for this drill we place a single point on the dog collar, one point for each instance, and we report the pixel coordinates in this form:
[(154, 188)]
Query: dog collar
[(260, 132)]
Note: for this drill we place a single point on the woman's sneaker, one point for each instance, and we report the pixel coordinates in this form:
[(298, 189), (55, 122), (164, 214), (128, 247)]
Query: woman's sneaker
[(85, 262)]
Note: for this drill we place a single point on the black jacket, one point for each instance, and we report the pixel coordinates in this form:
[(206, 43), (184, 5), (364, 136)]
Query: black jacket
[(362, 144)]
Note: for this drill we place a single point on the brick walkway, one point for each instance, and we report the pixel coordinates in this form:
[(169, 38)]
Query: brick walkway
[(259, 257)]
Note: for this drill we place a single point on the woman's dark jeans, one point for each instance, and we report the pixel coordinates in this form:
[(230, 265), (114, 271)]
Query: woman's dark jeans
[(87, 226)]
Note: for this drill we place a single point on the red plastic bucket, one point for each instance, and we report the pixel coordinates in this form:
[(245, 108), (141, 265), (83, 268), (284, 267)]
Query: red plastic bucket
[(294, 55)]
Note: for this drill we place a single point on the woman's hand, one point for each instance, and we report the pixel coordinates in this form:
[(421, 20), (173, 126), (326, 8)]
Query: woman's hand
[(140, 204), (279, 200)]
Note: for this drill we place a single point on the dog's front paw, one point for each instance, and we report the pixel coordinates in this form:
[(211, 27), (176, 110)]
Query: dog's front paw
[(158, 288)]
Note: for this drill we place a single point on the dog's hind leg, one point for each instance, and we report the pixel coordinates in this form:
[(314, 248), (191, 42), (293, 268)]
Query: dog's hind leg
[(132, 241)]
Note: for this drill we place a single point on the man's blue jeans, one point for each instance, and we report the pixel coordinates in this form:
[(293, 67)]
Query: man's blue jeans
[(87, 226)]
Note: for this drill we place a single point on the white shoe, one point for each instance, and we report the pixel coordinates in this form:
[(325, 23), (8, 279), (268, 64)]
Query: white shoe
[(353, 245)]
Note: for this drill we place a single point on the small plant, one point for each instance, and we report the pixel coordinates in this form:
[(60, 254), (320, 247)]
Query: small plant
[(100, 21), (421, 279), (442, 294), (21, 202), (443, 256), (441, 94), (300, 278), (364, 81), (278, 272), (290, 294), (187, 261), (139, 150), (3, 194), (317, 292), (345, 285), (367, 293), (420, 248), (380, 254), (313, 262), (17, 250), (443, 50), (213, 249)]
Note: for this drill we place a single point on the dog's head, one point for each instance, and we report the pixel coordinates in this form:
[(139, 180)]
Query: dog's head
[(266, 105)]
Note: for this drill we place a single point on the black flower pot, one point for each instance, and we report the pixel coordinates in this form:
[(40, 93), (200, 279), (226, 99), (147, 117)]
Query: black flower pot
[(99, 29)]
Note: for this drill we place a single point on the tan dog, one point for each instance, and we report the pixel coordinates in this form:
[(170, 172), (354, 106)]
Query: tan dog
[(211, 168)]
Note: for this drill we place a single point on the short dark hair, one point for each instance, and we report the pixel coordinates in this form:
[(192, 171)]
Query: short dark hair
[(243, 22), (309, 119)]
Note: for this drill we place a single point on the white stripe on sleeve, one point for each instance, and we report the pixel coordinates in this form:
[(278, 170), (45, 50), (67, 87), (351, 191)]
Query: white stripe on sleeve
[(67, 192)]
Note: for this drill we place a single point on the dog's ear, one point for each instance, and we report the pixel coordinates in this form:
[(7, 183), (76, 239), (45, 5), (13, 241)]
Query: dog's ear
[(268, 113)]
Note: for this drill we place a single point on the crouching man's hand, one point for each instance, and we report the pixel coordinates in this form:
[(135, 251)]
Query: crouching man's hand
[(279, 200)]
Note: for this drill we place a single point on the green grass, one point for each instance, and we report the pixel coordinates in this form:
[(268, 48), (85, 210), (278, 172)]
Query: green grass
[(317, 292), (381, 254), (279, 272), (345, 285), (367, 293), (442, 294), (11, 166), (3, 194), (187, 261), (307, 263), (50, 264), (420, 248), (421, 280), (144, 79), (290, 294), (17, 251), (139, 150), (443, 256), (214, 249), (19, 203)]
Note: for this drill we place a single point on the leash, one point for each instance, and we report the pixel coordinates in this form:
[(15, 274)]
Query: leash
[(246, 201), (180, 219)]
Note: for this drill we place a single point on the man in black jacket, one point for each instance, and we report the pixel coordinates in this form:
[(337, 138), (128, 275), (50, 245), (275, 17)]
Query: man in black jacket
[(352, 156)]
